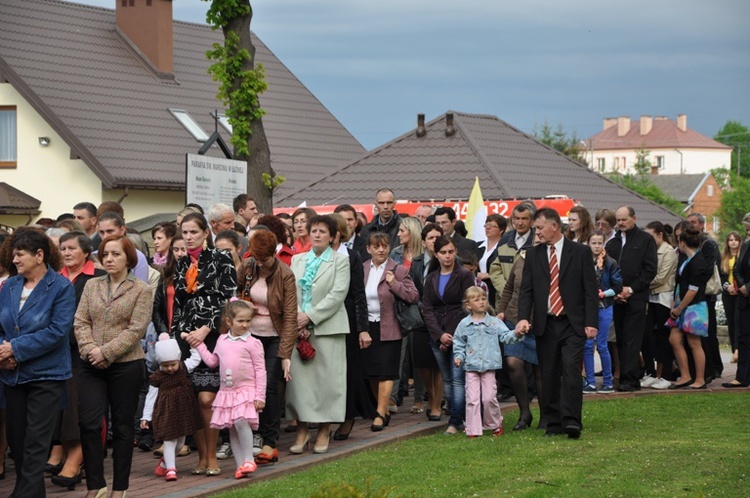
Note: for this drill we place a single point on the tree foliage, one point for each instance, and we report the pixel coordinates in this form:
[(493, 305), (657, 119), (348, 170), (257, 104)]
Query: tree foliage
[(736, 135), (642, 185), (735, 202), (559, 140), (241, 82), (642, 164)]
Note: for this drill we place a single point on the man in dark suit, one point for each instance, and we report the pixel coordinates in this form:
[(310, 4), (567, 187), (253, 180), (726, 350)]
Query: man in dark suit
[(635, 252), (355, 242), (559, 284), (445, 218)]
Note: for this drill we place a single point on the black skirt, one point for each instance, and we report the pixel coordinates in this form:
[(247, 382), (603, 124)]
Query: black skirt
[(421, 352), (382, 359)]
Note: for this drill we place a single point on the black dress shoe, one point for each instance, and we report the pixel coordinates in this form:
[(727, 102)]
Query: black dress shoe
[(573, 431), (67, 482), (53, 469), (732, 385), (682, 385), (522, 424), (554, 431)]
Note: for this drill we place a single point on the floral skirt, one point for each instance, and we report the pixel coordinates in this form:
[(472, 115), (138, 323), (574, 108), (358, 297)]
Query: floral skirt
[(693, 320)]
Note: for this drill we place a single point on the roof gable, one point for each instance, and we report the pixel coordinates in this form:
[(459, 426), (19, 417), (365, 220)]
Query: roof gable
[(664, 134), (508, 163), (681, 187), (69, 62)]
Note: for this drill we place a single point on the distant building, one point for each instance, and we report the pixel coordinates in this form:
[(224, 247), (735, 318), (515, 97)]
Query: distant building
[(103, 104), (698, 193), (438, 161), (673, 148)]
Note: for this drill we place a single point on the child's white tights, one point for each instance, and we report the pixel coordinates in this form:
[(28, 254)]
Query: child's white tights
[(171, 448), (241, 438)]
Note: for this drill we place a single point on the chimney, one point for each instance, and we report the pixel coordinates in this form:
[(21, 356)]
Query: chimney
[(609, 123), (450, 130), (421, 130), (682, 122), (147, 25), (623, 126), (646, 124)]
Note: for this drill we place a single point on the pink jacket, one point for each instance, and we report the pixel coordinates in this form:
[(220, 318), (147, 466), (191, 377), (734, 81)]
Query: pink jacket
[(402, 287), (241, 363)]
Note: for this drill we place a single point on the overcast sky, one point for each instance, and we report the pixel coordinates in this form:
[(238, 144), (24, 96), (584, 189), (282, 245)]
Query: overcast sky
[(375, 65)]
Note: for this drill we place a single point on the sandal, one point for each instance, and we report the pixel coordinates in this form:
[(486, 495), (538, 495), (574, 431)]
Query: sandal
[(378, 427), (417, 409)]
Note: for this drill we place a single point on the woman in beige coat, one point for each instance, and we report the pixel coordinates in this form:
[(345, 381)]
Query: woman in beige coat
[(317, 389)]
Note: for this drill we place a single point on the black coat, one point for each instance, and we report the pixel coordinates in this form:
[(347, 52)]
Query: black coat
[(637, 260), (442, 314), (742, 274), (578, 287), (694, 273), (356, 301)]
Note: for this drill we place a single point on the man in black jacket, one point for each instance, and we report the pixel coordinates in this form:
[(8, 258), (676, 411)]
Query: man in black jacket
[(445, 217), (387, 220), (635, 252), (355, 242)]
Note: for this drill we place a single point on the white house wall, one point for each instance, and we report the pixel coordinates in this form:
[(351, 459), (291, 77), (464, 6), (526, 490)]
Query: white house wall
[(46, 173), (693, 161)]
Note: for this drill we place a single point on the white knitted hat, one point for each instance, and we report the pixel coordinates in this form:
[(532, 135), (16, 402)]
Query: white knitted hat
[(167, 349)]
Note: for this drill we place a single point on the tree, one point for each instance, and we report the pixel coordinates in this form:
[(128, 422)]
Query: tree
[(558, 139), (733, 133), (241, 82), (642, 164), (642, 185), (735, 202)]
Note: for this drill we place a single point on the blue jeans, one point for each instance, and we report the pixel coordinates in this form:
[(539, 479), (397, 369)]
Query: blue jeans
[(454, 388), (605, 320)]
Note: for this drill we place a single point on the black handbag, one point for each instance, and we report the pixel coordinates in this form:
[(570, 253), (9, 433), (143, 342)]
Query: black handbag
[(409, 317)]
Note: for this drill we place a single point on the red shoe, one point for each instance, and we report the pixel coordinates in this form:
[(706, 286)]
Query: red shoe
[(171, 475), (267, 458), (499, 431), (160, 470), (247, 468)]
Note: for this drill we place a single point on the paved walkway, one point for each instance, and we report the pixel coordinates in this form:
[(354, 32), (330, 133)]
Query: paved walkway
[(403, 426)]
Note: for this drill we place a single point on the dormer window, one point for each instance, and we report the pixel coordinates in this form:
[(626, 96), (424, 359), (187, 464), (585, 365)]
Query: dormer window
[(187, 121)]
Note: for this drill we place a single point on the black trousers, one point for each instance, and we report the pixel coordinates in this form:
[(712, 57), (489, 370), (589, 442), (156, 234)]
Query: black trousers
[(655, 325), (730, 310), (115, 387), (743, 344), (630, 323), (32, 411), (714, 364), (560, 352), (270, 418)]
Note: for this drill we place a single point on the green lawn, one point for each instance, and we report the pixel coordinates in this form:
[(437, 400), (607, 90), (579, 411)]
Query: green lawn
[(678, 445)]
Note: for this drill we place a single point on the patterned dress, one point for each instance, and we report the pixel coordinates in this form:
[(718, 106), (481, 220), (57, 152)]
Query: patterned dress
[(176, 412)]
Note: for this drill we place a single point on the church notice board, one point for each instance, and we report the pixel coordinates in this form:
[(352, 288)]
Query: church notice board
[(210, 180)]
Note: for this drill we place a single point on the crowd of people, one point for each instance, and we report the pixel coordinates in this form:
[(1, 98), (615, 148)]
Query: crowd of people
[(236, 320)]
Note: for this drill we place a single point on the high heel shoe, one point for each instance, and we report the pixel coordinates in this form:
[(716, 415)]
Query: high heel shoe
[(321, 448), (67, 482), (343, 436), (379, 427), (297, 449), (53, 469), (522, 423)]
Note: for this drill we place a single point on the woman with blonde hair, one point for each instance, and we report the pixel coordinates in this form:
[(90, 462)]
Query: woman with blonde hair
[(410, 237)]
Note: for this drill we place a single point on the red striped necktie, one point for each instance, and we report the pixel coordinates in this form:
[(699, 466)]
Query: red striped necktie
[(555, 299)]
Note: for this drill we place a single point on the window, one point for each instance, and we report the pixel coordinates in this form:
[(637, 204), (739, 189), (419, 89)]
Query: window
[(600, 164), (190, 124), (717, 224), (710, 190), (616, 165), (8, 137), (660, 162)]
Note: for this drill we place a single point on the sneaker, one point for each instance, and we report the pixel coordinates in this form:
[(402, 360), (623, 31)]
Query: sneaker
[(648, 381), (606, 389), (224, 451), (257, 444), (589, 389), (661, 384)]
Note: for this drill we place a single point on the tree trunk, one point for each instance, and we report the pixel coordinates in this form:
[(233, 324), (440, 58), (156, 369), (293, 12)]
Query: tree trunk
[(259, 160)]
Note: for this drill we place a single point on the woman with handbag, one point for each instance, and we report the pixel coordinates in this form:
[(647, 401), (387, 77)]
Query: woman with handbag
[(317, 389), (385, 281), (269, 284)]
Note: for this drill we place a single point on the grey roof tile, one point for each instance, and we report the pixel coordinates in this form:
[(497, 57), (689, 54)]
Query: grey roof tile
[(508, 162), (69, 61), (681, 187)]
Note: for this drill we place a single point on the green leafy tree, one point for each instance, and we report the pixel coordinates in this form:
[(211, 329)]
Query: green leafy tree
[(736, 135), (641, 184), (241, 82), (559, 140), (735, 202), (642, 164)]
